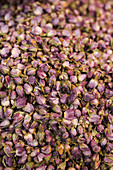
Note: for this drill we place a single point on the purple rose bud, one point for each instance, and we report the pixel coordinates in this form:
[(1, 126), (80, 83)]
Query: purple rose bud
[(4, 29), (29, 108), (20, 102), (41, 74), (15, 72), (96, 26), (47, 89), (36, 30), (103, 142), (55, 21), (4, 69), (69, 114), (37, 116), (56, 109), (28, 137), (94, 118), (8, 112), (23, 159), (71, 98), (73, 79), (82, 77), (63, 99), (100, 128), (5, 123), (40, 100), (3, 94), (77, 113), (38, 10), (46, 149), (28, 89), (51, 167), (18, 80), (15, 52), (20, 151), (76, 153), (66, 33), (31, 79), (19, 90), (85, 149), (52, 79), (93, 83), (88, 97)]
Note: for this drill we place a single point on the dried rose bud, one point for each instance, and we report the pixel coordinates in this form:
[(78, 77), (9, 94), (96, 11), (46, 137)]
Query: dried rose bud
[(19, 90), (94, 102), (4, 69), (41, 74), (18, 80), (46, 149), (56, 109), (5, 29), (94, 118), (36, 30), (15, 52), (96, 27), (20, 151), (20, 102), (29, 108), (27, 119), (28, 137), (37, 116), (51, 167), (88, 97), (28, 89), (100, 128), (3, 94), (69, 114), (82, 77), (23, 159), (15, 72), (71, 98), (76, 153), (103, 142), (73, 79), (5, 101), (77, 113), (5, 123), (34, 143), (40, 100), (75, 122), (85, 149), (38, 10), (63, 99), (54, 101), (8, 112), (47, 89), (93, 83)]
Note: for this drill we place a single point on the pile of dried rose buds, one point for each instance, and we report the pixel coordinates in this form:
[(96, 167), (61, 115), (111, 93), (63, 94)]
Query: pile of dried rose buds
[(56, 85)]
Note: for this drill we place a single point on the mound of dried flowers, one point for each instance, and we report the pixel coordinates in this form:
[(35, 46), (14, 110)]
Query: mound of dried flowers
[(56, 85)]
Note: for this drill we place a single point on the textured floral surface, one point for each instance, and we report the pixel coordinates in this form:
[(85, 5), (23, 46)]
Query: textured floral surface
[(56, 85)]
